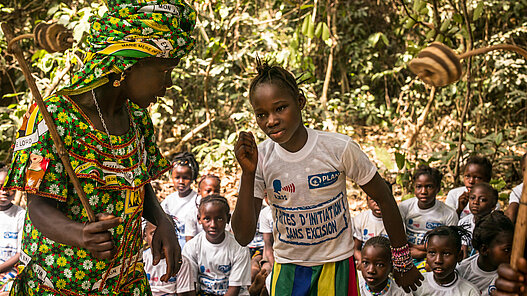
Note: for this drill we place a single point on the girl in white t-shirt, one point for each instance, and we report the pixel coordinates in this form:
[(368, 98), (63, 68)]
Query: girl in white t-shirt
[(180, 203), (443, 252), (376, 266), (367, 224), (154, 272), (516, 194), (208, 184), (493, 240)]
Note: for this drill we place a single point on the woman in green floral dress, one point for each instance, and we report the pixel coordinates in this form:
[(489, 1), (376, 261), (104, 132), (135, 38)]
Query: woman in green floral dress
[(109, 136)]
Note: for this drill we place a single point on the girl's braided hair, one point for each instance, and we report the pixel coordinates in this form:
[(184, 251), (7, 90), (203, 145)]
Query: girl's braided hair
[(187, 159), (208, 176), (489, 227), (381, 242), (482, 161), (432, 172), (457, 234), (218, 199)]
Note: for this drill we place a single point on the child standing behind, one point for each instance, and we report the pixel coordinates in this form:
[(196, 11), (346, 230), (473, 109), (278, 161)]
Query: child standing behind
[(11, 225), (154, 272), (207, 185), (478, 169), (303, 172), (367, 224), (443, 252), (376, 265), (222, 266), (424, 212), (178, 204), (515, 196), (493, 240)]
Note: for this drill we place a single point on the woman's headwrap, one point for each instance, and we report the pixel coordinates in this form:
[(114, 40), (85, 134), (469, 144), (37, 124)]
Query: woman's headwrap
[(129, 31)]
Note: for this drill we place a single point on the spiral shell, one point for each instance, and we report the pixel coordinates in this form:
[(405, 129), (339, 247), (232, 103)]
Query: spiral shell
[(437, 65)]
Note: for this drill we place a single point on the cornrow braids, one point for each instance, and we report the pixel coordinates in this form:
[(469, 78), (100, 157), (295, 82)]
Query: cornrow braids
[(216, 198), (432, 172), (457, 233), (274, 75), (489, 227), (208, 176), (187, 159), (381, 242)]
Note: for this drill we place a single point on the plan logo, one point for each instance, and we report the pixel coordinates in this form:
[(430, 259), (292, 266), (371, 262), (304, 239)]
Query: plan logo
[(322, 180), (224, 268)]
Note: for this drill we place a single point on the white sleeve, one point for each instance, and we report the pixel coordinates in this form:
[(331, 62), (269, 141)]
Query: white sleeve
[(188, 274), (452, 199), (241, 269), (266, 221), (452, 219), (190, 224), (259, 183), (357, 165), (515, 195), (357, 232)]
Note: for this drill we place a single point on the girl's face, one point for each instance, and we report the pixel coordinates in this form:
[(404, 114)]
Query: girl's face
[(6, 197), (213, 218), (442, 257), (499, 250), (182, 177), (425, 191), (149, 233), (374, 207), (375, 267), (279, 115), (209, 186), (474, 173), (480, 201)]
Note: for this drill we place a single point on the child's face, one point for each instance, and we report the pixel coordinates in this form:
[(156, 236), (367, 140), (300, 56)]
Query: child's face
[(209, 186), (374, 207), (182, 177), (425, 191), (278, 114), (474, 173), (499, 250), (6, 197), (442, 257), (149, 233), (213, 218), (480, 201), (375, 267)]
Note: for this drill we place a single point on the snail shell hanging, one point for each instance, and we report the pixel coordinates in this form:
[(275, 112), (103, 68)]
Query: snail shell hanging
[(437, 65)]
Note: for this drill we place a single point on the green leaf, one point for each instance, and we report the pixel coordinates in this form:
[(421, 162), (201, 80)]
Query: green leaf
[(318, 31), (499, 139), (12, 95), (311, 30), (305, 25), (478, 10), (306, 6), (400, 160), (325, 32)]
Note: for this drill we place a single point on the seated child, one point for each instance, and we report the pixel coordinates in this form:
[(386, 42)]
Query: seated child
[(482, 200), (376, 266), (367, 224), (11, 227), (266, 228), (154, 272), (180, 203), (207, 185), (221, 264), (478, 169), (256, 248), (424, 212), (516, 195), (493, 240), (443, 252)]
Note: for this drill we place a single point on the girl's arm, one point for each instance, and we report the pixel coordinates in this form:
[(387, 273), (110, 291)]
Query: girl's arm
[(247, 210), (165, 243), (377, 189), (9, 263), (268, 248), (358, 248), (417, 251), (93, 236), (233, 291)]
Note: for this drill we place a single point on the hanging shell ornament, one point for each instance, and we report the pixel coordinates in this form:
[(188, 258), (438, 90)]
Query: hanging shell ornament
[(52, 37)]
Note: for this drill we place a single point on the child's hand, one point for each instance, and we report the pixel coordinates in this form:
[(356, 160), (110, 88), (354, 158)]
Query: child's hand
[(165, 244), (97, 239), (510, 281), (246, 152), (462, 201), (409, 280)]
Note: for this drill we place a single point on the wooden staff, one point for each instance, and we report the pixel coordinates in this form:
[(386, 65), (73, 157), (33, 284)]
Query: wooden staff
[(57, 141), (520, 230)]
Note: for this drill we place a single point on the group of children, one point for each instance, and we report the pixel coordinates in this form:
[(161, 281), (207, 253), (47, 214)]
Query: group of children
[(302, 240)]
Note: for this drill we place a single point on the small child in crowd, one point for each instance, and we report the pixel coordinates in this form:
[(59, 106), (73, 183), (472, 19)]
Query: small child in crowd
[(478, 169), (11, 227), (180, 203), (424, 212), (266, 228), (482, 201), (221, 264), (207, 185), (443, 252), (493, 240), (367, 224), (376, 266), (154, 272), (516, 194)]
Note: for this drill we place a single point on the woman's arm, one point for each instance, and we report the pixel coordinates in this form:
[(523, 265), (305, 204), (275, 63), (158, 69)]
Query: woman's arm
[(377, 189), (233, 291), (9, 263)]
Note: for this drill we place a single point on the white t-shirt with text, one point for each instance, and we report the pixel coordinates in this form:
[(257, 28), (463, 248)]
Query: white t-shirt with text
[(11, 227), (154, 273), (178, 208), (483, 280), (429, 287), (307, 194), (366, 226), (266, 220)]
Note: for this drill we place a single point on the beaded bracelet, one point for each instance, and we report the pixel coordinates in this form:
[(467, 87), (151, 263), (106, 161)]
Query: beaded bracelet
[(401, 259)]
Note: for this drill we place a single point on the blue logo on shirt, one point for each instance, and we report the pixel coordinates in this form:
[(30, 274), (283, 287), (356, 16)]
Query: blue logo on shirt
[(224, 268), (10, 235), (322, 180), (432, 225), (277, 188)]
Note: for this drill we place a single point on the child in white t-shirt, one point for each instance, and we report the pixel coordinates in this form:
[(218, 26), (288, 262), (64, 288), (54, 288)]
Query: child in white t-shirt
[(478, 169), (222, 266), (443, 252), (482, 201), (180, 203), (11, 227), (493, 240), (303, 172), (376, 265), (424, 212), (516, 195), (207, 185), (154, 272), (265, 221)]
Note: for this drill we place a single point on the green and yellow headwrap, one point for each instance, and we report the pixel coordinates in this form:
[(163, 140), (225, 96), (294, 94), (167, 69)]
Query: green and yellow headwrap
[(129, 31)]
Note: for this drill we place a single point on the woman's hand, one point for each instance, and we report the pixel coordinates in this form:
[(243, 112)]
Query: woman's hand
[(96, 238), (246, 152), (409, 280), (510, 281), (165, 244)]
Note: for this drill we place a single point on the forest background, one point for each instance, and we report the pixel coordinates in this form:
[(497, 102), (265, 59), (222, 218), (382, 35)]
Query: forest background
[(352, 57)]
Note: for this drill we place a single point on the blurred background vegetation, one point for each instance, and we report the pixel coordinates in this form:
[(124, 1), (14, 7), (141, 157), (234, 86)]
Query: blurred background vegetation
[(353, 56)]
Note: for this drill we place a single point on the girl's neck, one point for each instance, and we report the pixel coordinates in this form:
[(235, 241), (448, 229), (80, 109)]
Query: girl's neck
[(485, 264), (298, 140), (447, 281), (216, 240), (184, 193), (426, 206), (6, 207), (381, 288)]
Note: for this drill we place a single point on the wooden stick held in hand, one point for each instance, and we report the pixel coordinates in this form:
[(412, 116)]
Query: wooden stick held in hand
[(57, 141), (520, 230)]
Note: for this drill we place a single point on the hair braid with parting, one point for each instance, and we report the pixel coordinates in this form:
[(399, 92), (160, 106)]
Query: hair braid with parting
[(218, 199), (274, 75), (187, 159)]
